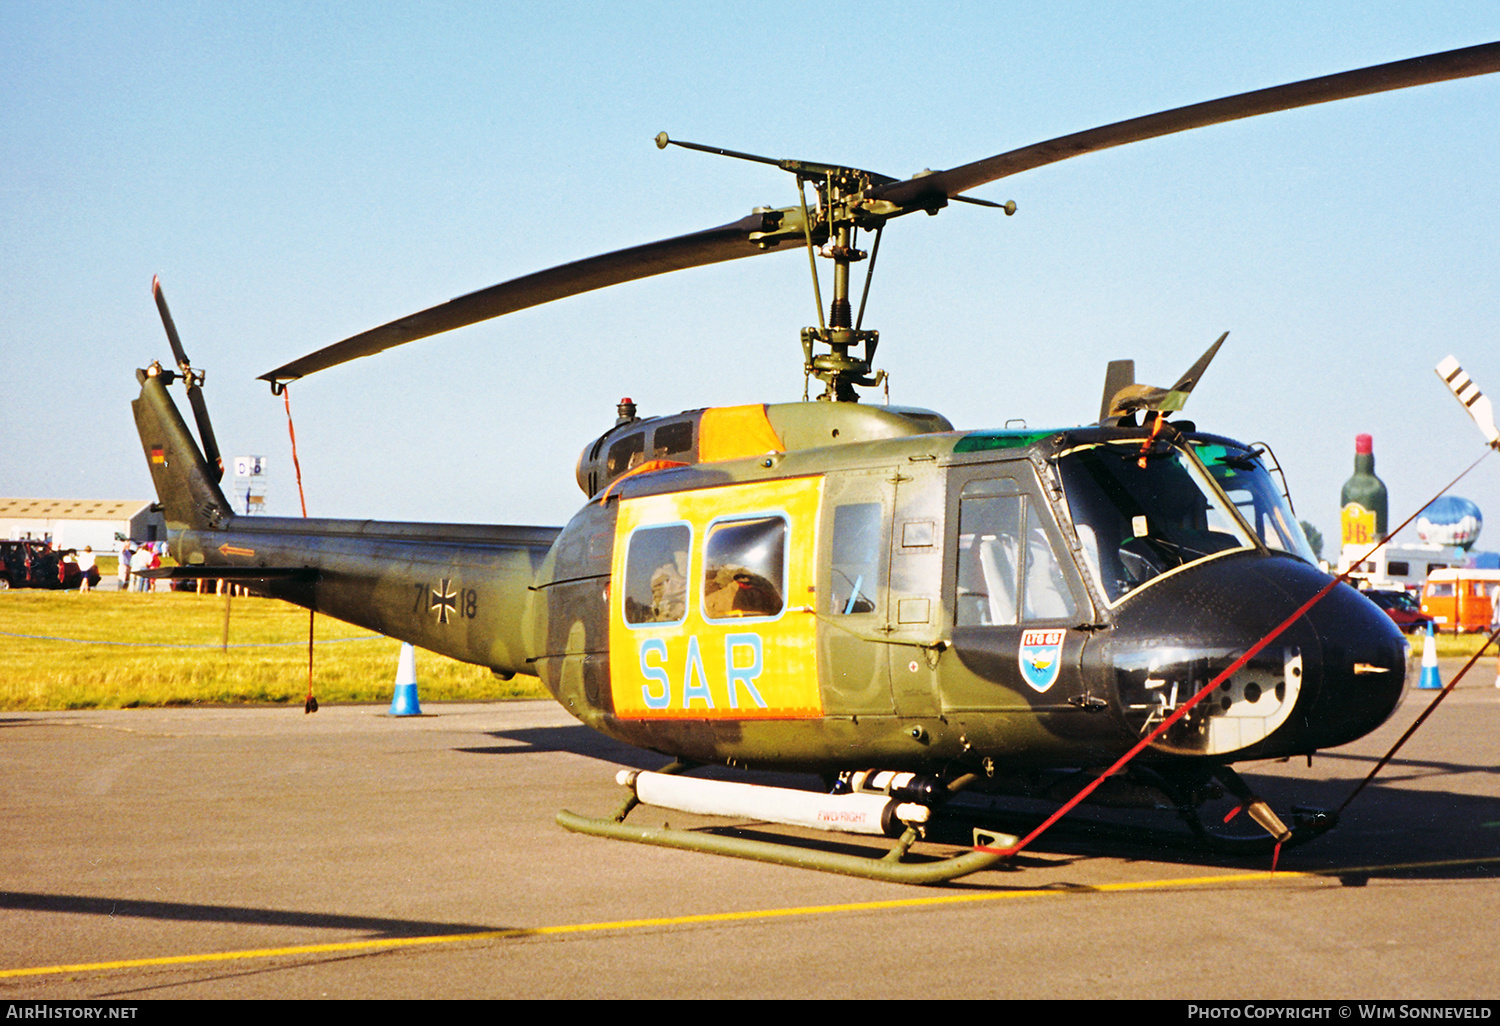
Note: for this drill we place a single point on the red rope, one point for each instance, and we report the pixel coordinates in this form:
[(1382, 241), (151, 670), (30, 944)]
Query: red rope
[(1431, 708), (286, 395), (1167, 723), (311, 704)]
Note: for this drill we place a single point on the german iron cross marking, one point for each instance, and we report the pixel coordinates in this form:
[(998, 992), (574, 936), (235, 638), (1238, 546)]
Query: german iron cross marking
[(445, 601)]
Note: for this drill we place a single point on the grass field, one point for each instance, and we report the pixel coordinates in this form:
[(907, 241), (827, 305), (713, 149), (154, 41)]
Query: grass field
[(111, 650), (1453, 645)]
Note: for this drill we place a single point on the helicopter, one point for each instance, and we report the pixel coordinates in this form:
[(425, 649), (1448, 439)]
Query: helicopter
[(862, 591)]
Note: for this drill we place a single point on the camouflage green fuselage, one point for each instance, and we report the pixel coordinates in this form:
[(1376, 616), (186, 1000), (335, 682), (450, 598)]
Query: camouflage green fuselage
[(880, 594)]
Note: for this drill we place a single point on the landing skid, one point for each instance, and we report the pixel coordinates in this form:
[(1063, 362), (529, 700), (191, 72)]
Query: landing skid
[(1204, 834), (799, 808), (904, 807), (1221, 813)]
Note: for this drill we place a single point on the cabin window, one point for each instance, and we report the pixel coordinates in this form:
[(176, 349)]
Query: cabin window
[(857, 546), (744, 573), (1008, 571), (672, 439), (1398, 569), (625, 453), (1444, 590), (656, 574)]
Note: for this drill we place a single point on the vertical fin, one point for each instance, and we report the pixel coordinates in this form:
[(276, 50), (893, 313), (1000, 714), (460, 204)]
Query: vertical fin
[(186, 486)]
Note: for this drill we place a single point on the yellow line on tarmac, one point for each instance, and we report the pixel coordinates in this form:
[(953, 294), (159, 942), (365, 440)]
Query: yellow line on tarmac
[(726, 917)]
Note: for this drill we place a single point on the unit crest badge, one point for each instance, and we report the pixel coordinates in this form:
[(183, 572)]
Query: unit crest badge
[(1041, 656)]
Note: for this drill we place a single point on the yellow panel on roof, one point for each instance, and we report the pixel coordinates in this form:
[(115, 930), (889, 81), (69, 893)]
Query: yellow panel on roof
[(731, 432)]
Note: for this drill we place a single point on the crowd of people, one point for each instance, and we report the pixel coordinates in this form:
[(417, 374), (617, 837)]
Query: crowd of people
[(36, 563), (135, 557)]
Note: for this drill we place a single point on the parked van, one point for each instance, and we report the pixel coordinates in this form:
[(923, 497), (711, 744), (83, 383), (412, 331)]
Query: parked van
[(1459, 600)]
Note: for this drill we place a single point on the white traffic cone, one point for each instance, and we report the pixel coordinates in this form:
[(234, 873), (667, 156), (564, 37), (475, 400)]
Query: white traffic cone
[(1429, 679), (404, 701)]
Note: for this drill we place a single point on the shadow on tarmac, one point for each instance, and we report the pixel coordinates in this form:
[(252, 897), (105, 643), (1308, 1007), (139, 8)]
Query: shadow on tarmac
[(171, 911), (1388, 831)]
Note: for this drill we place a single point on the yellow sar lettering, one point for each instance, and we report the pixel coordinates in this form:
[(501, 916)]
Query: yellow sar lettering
[(743, 662)]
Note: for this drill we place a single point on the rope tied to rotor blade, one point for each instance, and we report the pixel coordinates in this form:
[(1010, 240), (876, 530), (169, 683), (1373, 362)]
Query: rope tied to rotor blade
[(311, 704), (286, 396), (1228, 672)]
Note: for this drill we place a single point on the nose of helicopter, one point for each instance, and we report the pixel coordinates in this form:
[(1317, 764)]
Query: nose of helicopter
[(1334, 675)]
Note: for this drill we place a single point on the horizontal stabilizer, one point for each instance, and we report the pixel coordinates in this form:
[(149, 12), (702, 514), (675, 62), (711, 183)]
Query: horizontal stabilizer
[(1474, 401)]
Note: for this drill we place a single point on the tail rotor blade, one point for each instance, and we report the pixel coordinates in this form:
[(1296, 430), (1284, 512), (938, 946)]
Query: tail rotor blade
[(206, 432), (192, 380), (166, 322)]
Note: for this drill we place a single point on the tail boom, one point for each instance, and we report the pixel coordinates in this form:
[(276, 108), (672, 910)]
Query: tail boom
[(459, 589)]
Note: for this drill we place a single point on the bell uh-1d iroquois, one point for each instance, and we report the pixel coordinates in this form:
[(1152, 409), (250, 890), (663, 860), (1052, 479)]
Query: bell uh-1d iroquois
[(861, 591)]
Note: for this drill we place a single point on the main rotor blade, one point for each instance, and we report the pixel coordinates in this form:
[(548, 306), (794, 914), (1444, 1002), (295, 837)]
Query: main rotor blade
[(1437, 67), (758, 232), (1118, 375), (1178, 393), (715, 245)]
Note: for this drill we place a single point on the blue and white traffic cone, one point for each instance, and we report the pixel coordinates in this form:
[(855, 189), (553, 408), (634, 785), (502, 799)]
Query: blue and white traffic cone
[(404, 701), (1429, 679)]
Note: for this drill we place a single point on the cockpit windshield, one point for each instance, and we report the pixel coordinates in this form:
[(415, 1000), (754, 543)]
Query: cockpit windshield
[(1137, 522), (1240, 473)]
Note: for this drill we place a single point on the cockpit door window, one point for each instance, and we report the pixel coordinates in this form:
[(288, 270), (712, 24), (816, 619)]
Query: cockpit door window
[(859, 541), (1008, 569)]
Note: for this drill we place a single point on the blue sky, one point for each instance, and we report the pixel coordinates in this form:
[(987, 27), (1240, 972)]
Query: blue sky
[(297, 173)]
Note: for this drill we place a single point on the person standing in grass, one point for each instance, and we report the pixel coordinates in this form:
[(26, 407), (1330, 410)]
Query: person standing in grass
[(140, 560), (86, 569)]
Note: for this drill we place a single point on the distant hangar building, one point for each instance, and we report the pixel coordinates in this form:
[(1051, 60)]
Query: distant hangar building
[(74, 523)]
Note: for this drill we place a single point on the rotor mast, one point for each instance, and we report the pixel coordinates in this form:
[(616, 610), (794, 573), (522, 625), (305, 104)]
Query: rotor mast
[(839, 191), (842, 208)]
